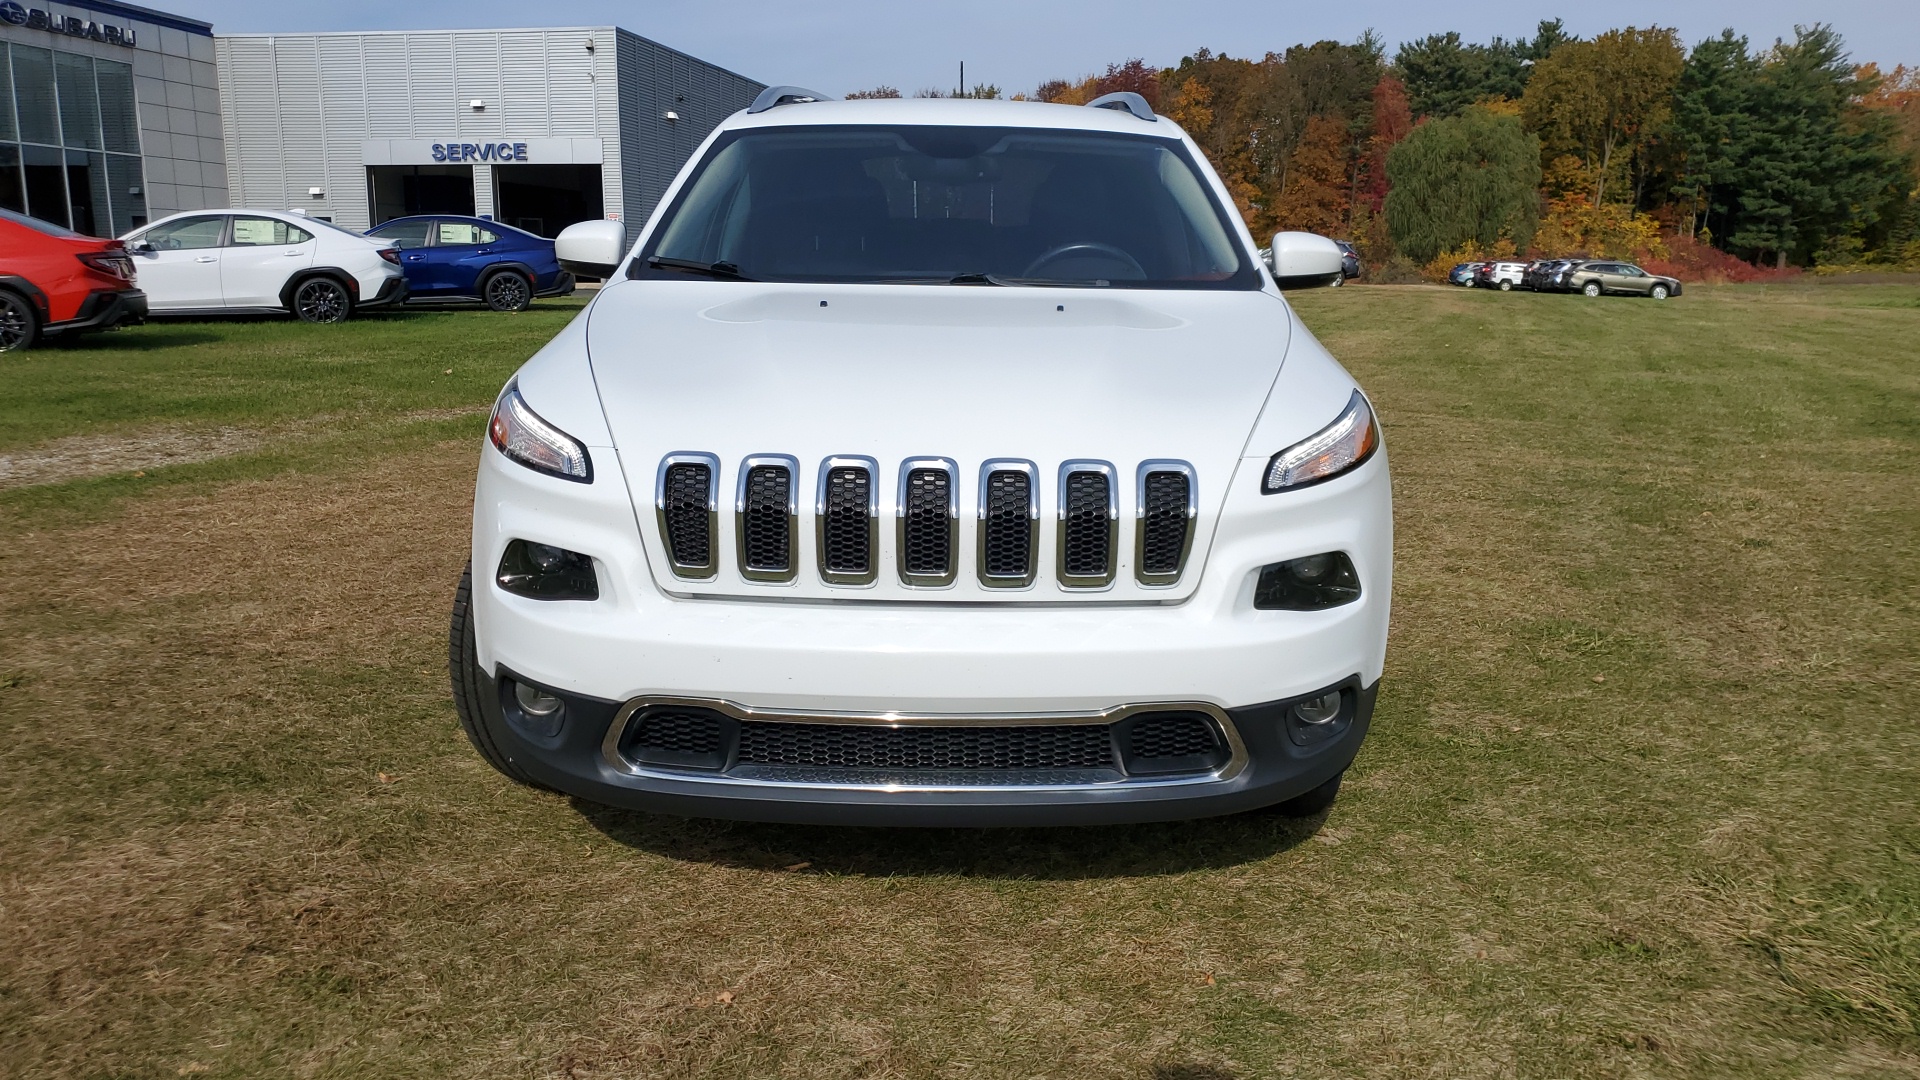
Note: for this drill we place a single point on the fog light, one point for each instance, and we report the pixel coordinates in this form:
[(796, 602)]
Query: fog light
[(1316, 711), (1309, 583), (545, 572), (537, 702)]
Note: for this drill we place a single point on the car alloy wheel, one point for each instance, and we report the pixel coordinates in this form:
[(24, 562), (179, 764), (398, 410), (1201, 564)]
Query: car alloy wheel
[(321, 300), (1506, 286), (508, 291), (16, 323), (1659, 292), (1592, 288)]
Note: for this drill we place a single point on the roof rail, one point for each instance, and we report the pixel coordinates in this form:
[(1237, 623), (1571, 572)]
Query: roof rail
[(1127, 100), (775, 96)]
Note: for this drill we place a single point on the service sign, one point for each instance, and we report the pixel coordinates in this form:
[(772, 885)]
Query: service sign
[(34, 18), (483, 151)]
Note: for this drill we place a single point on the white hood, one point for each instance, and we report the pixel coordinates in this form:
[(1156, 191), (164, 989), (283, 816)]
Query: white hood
[(963, 372)]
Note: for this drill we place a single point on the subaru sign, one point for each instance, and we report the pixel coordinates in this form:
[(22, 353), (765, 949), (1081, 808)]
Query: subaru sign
[(40, 19)]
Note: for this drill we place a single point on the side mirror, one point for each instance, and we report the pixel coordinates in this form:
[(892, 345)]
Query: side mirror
[(591, 248), (140, 247), (1303, 260)]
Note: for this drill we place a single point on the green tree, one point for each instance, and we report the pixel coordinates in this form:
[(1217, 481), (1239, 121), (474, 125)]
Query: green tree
[(1605, 101), (1819, 163), (1444, 74), (1474, 177), (1713, 128)]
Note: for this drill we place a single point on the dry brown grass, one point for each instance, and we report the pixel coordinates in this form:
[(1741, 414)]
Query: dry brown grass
[(247, 839)]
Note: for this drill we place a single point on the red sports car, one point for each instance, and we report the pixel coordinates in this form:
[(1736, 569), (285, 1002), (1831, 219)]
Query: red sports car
[(55, 281)]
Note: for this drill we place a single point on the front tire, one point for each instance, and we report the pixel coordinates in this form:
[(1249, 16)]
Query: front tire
[(1659, 292), (507, 291), (1338, 281), (1591, 288), (322, 300), (19, 326), (470, 686), (1506, 286)]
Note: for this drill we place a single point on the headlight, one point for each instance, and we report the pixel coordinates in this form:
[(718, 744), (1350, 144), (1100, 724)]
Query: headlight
[(522, 435), (1334, 449)]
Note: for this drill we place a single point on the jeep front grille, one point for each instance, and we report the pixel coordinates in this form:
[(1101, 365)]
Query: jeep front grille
[(1089, 522), (847, 515), (686, 504), (1166, 504), (845, 538), (929, 513), (766, 524), (1009, 523)]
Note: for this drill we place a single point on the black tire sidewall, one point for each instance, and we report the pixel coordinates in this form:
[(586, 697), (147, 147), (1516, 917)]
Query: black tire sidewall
[(346, 301), (20, 303), (470, 687), (486, 290)]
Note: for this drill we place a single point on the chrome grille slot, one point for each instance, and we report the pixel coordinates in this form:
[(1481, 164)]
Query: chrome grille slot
[(847, 518), (765, 513), (1089, 524), (929, 511), (1166, 505), (1009, 523), (686, 495)]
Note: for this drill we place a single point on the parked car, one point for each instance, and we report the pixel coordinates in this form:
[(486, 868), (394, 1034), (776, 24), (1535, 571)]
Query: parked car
[(1349, 262), (1601, 277), (54, 281), (1499, 275), (209, 262), (467, 258), (1463, 274), (881, 572)]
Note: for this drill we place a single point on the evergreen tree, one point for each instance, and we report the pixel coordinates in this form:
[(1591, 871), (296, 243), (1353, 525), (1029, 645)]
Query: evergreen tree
[(1474, 177), (1713, 129)]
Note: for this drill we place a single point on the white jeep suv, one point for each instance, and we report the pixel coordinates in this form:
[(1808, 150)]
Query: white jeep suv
[(931, 463), (211, 262)]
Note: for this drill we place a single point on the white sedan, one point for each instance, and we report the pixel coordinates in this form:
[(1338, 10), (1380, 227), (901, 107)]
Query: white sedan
[(209, 262)]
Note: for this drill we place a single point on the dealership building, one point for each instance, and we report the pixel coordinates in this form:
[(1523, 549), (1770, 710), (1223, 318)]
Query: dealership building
[(112, 115)]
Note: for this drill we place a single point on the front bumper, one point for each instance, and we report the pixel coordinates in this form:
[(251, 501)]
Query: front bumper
[(979, 663)]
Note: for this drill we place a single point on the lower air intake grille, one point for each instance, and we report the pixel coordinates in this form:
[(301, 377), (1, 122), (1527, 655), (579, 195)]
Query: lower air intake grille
[(766, 528), (1163, 523), (688, 736), (1171, 735), (1085, 538), (853, 746), (1007, 536), (926, 549), (845, 535), (685, 491)]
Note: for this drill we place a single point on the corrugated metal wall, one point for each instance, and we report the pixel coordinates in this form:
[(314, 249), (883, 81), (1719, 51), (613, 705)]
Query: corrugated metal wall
[(299, 106)]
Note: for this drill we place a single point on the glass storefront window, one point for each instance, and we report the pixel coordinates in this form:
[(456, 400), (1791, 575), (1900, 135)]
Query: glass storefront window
[(57, 112), (33, 95)]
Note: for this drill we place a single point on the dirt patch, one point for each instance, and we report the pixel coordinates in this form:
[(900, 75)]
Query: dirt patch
[(80, 456)]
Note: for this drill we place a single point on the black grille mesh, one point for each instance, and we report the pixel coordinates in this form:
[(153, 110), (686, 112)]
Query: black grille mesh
[(764, 524), (927, 547), (689, 530), (1085, 538), (848, 746), (1163, 523), (677, 731), (1171, 735), (844, 534), (1007, 539)]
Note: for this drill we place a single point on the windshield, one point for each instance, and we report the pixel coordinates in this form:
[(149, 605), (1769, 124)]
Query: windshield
[(936, 204)]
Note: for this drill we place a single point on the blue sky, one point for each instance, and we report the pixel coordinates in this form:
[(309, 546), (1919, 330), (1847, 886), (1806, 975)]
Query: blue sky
[(836, 47)]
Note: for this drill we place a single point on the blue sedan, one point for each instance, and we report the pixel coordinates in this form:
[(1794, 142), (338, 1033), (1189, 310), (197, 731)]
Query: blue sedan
[(466, 258)]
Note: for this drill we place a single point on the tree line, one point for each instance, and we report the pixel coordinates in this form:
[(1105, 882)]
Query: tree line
[(1618, 145)]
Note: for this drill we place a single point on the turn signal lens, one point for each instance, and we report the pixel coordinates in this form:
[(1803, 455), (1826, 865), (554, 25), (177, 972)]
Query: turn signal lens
[(1335, 449), (522, 435)]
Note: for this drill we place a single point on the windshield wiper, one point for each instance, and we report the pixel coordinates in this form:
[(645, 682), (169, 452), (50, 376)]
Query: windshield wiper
[(690, 266), (1020, 282)]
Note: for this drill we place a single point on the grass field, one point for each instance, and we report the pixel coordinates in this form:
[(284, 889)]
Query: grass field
[(1642, 797)]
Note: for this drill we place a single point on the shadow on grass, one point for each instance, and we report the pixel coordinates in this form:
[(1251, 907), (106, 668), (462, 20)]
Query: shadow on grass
[(1068, 853)]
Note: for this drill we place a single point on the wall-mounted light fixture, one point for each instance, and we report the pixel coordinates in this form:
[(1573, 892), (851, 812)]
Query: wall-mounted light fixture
[(589, 44), (316, 193), (477, 105), (669, 116)]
